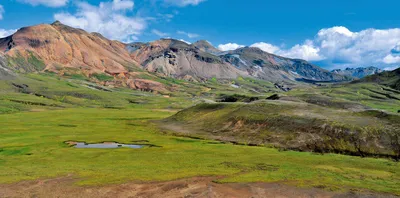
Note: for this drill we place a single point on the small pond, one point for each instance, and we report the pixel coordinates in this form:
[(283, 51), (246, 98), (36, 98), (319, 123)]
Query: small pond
[(105, 145)]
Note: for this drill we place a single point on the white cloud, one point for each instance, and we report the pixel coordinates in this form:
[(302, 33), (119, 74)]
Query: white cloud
[(390, 59), (229, 46), (183, 3), (5, 33), (109, 18), (340, 47), (190, 35), (306, 51), (49, 3), (159, 33), (266, 47), (122, 5), (1, 12)]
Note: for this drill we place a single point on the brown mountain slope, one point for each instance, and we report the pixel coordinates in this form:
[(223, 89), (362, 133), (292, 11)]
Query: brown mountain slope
[(206, 46), (178, 59), (61, 46), (67, 51)]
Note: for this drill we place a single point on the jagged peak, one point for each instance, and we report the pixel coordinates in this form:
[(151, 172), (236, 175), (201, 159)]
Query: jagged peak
[(60, 26), (206, 46), (203, 42), (250, 49), (57, 22)]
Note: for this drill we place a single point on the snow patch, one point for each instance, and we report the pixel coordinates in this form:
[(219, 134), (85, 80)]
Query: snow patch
[(238, 57), (295, 73)]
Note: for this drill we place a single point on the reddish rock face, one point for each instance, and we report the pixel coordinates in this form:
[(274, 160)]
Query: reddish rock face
[(61, 47), (146, 85), (58, 46)]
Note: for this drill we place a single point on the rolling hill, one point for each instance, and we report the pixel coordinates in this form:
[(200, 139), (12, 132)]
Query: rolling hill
[(387, 78)]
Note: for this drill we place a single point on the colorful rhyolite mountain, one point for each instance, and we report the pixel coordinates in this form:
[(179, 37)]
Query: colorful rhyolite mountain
[(64, 50)]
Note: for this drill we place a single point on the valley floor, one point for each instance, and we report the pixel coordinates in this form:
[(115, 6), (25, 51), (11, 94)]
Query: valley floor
[(33, 154)]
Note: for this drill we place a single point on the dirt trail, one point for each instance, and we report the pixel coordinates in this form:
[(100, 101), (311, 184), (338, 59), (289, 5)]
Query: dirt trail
[(199, 187)]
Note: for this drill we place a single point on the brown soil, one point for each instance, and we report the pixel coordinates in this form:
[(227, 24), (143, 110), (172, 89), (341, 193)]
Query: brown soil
[(199, 187)]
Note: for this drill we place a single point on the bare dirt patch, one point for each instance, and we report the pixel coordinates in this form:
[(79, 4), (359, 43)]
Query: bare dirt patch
[(199, 187)]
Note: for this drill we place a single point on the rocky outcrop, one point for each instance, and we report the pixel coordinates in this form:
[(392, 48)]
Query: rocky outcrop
[(146, 85)]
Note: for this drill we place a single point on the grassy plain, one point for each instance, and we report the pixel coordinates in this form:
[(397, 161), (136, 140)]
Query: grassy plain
[(32, 147), (36, 124)]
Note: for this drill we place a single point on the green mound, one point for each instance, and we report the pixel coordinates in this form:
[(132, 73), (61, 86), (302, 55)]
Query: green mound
[(295, 126), (387, 78)]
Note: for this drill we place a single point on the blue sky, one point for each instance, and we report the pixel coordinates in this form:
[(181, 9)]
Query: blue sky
[(331, 33)]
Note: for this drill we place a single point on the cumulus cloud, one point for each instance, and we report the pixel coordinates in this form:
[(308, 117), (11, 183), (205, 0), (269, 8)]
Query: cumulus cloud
[(390, 59), (340, 47), (49, 3), (190, 35), (266, 47), (229, 46), (109, 18), (183, 3), (306, 51), (159, 33), (371, 46), (5, 33)]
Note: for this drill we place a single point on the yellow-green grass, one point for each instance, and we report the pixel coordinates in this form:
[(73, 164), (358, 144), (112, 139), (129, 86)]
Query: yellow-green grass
[(32, 147)]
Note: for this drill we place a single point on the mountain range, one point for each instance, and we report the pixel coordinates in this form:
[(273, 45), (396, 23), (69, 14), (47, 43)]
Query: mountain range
[(67, 51), (70, 51), (359, 72)]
